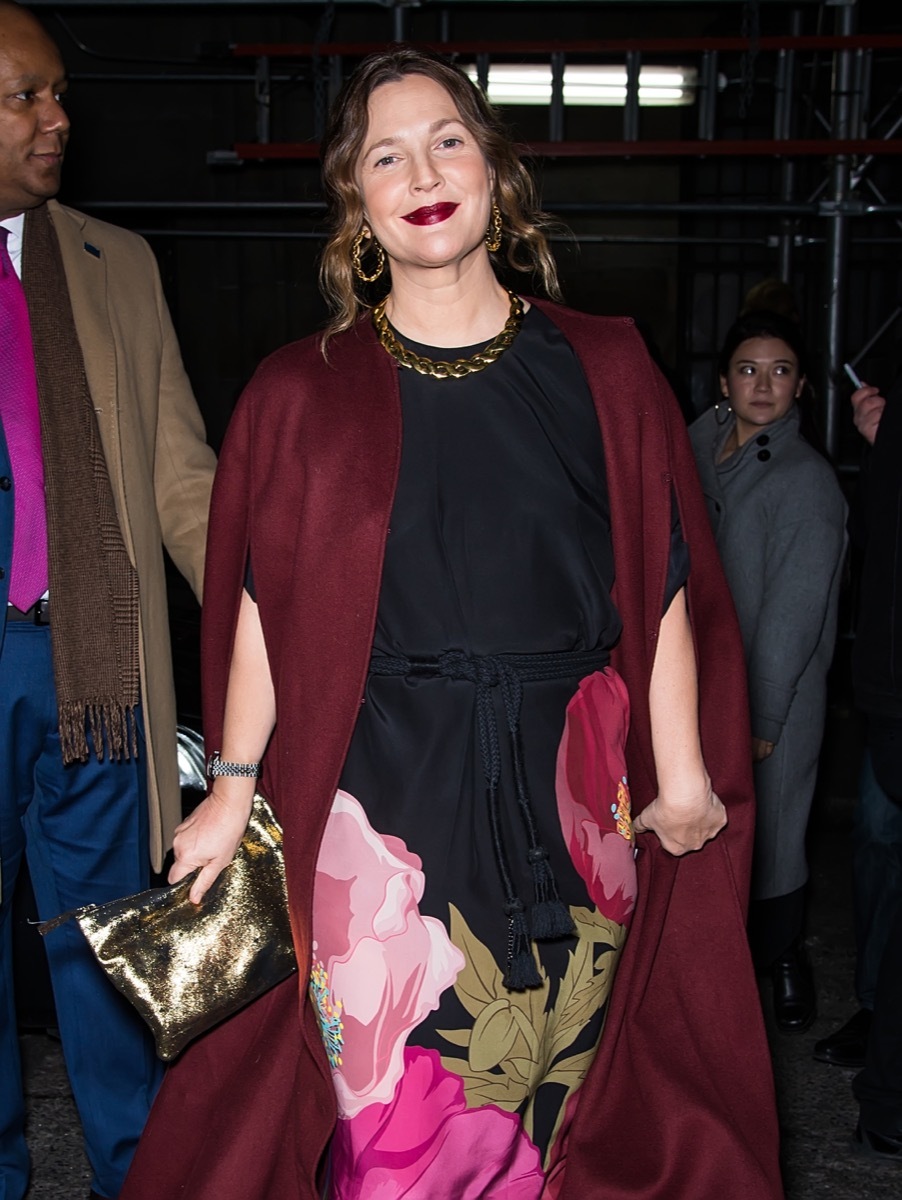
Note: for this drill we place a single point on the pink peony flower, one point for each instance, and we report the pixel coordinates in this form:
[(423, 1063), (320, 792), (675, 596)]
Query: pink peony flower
[(592, 793), (427, 1145), (379, 966)]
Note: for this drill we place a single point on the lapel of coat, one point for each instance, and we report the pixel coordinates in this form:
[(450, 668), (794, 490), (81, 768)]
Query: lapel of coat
[(85, 265), (348, 491), (321, 531)]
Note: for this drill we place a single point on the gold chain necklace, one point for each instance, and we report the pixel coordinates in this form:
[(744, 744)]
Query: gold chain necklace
[(461, 367)]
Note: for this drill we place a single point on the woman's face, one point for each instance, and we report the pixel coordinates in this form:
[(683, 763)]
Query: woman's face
[(762, 384), (425, 185)]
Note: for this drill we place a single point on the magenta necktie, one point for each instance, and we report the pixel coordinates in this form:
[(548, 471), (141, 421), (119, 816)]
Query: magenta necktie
[(21, 419)]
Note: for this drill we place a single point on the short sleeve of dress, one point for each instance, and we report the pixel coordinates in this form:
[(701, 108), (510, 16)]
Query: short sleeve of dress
[(678, 566), (249, 581)]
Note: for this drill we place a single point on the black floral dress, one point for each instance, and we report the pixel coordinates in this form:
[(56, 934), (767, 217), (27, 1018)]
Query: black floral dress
[(485, 781)]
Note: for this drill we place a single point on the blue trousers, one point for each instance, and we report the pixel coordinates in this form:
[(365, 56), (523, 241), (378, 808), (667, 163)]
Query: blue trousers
[(83, 829)]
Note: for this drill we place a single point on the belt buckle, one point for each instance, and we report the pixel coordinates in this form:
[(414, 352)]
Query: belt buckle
[(42, 611)]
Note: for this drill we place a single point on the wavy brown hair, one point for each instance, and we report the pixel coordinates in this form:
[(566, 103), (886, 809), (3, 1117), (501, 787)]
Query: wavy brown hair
[(524, 245)]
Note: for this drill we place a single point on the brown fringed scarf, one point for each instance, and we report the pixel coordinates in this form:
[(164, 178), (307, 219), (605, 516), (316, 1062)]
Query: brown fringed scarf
[(93, 585)]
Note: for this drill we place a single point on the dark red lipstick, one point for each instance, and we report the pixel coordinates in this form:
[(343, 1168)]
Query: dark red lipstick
[(432, 214)]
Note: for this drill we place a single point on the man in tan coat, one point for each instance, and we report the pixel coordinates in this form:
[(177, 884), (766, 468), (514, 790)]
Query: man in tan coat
[(102, 463)]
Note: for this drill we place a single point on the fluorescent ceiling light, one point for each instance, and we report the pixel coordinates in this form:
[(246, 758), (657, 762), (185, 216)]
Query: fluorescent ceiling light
[(587, 85)]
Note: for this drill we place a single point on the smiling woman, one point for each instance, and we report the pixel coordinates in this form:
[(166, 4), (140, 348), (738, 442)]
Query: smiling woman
[(461, 143), (427, 192), (411, 621)]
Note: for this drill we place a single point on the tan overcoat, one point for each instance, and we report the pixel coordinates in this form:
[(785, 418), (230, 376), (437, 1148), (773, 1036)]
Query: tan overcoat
[(160, 466)]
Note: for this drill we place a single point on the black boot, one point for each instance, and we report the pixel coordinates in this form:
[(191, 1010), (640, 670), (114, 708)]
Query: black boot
[(848, 1045), (795, 1004)]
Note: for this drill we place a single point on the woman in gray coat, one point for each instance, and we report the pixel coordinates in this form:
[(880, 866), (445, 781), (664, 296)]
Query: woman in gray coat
[(779, 519)]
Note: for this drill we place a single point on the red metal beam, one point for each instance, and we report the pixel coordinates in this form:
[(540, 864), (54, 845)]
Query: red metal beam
[(760, 148), (595, 46)]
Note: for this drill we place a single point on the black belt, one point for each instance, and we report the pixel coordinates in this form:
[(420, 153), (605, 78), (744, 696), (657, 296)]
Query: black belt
[(549, 917), (38, 614)]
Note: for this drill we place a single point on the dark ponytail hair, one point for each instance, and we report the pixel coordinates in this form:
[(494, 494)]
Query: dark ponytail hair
[(762, 322)]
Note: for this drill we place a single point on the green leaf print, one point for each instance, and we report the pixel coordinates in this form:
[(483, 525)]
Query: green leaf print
[(494, 1033), (518, 1040)]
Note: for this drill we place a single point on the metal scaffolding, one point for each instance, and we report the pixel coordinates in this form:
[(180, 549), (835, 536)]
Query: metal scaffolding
[(816, 149)]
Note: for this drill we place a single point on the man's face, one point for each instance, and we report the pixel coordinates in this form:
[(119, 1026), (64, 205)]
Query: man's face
[(34, 128)]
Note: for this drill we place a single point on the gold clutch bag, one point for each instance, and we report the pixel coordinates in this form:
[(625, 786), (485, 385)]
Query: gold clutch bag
[(186, 967)]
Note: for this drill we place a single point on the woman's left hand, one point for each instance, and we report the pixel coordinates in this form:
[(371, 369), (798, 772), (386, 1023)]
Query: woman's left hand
[(683, 823)]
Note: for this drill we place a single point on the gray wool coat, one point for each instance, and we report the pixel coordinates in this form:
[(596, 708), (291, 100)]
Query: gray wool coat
[(779, 519)]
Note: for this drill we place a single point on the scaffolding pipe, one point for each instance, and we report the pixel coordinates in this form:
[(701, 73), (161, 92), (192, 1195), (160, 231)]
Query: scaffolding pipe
[(631, 103), (647, 148), (556, 107), (336, 78), (651, 208), (589, 239), (263, 98), (860, 92), (399, 23), (707, 96), (867, 162), (783, 130), (836, 255), (171, 77), (483, 63), (576, 239), (875, 337)]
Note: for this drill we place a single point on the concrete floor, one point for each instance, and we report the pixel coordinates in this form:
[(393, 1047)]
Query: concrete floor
[(817, 1110)]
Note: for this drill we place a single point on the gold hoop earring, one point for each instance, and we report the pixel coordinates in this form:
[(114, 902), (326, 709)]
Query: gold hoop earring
[(493, 233), (357, 253)]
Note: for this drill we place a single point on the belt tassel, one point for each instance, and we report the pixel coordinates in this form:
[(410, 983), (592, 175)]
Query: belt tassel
[(522, 971)]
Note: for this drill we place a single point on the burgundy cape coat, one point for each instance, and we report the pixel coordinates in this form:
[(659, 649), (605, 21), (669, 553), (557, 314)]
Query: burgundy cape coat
[(679, 1101)]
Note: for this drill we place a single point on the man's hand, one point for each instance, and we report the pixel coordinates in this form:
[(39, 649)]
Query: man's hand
[(761, 749)]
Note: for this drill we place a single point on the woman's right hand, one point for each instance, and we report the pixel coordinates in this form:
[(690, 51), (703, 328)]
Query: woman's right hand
[(208, 839), (686, 822)]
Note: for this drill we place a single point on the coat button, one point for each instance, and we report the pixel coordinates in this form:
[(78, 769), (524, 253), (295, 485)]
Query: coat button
[(763, 455), (762, 440), (5, 483), (2, 573)]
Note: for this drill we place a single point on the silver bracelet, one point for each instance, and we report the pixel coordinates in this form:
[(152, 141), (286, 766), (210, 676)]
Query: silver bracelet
[(216, 767)]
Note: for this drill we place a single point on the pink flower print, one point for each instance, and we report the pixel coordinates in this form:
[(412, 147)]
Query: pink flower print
[(592, 794), (427, 1145), (382, 964)]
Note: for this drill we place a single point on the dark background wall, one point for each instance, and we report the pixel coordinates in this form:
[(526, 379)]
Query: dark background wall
[(242, 281)]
